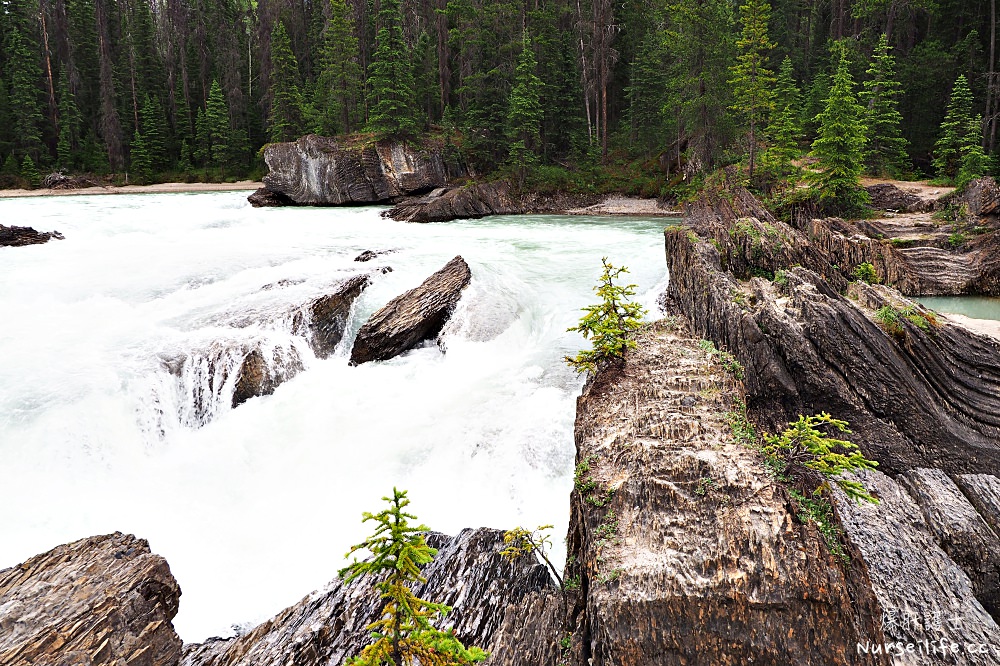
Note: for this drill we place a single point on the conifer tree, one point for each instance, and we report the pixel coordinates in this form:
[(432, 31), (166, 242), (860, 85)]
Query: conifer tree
[(391, 103), (524, 115), (886, 149), (785, 129), (216, 120), (154, 131), (815, 102), (950, 146), (338, 86), (839, 146), (141, 163), (29, 171), (285, 121), (405, 635), (25, 73), (10, 167), (202, 150), (975, 163), (752, 81), (69, 124)]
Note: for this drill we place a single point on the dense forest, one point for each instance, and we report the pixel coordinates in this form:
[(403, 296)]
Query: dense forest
[(537, 88)]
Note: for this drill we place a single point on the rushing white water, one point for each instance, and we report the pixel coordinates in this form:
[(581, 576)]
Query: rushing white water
[(256, 507)]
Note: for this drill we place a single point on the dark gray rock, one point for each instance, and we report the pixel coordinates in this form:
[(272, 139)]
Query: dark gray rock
[(468, 202), (265, 198), (886, 196), (325, 319), (19, 236), (259, 375), (322, 171), (105, 600), (415, 316), (328, 627)]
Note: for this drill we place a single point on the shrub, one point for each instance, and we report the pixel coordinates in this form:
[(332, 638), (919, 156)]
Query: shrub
[(520, 542), (865, 273)]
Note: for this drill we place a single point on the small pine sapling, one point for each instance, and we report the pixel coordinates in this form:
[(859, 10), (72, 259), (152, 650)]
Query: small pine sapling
[(520, 542), (611, 324), (810, 453), (404, 635)]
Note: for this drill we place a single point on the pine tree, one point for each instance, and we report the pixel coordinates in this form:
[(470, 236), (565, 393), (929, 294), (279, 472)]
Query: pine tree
[(24, 73), (202, 151), (752, 81), (10, 167), (975, 163), (69, 124), (405, 635), (785, 129), (651, 114), (216, 120), (141, 163), (524, 115), (949, 149), (285, 121), (839, 146), (154, 130), (29, 171), (391, 103), (338, 86), (886, 151)]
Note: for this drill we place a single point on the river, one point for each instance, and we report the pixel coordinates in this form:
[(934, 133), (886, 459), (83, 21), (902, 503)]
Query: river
[(254, 507)]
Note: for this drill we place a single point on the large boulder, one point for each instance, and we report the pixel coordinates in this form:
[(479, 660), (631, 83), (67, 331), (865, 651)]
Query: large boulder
[(101, 600), (415, 316), (323, 171), (324, 320), (328, 627), (886, 196), (17, 236), (468, 202)]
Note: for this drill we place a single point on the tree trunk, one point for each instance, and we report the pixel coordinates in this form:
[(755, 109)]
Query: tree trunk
[(53, 107)]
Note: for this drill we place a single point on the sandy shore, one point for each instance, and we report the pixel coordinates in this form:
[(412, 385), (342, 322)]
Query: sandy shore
[(985, 326), (626, 206), (159, 188)]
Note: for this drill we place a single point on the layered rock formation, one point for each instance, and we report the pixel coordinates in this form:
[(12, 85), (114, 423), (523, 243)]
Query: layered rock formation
[(102, 600), (18, 236), (328, 627), (412, 317), (469, 202), (322, 171)]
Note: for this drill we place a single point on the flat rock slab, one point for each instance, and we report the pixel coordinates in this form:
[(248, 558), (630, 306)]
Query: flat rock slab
[(18, 236), (412, 317), (100, 600)]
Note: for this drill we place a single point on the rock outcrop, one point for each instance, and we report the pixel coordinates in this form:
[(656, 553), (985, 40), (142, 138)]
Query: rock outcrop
[(328, 627), (101, 600), (888, 197), (468, 202), (18, 236), (322, 171), (324, 320), (415, 316), (917, 391)]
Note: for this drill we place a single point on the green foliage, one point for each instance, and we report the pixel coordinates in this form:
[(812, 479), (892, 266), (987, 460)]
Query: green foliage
[(975, 164), (285, 120), (10, 167), (809, 449), (839, 146), (391, 99), (29, 171), (890, 320), (587, 487), (729, 362), (339, 84), (957, 240), (521, 542), (953, 142), (784, 131), (886, 148), (817, 510), (611, 325), (865, 272), (404, 634), (744, 432), (141, 164), (752, 82), (24, 75), (524, 114)]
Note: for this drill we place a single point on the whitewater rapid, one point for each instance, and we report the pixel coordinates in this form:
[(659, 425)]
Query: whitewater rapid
[(255, 507)]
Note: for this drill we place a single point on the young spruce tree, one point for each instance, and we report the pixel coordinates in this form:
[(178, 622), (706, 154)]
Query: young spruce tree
[(951, 145), (785, 128), (752, 81), (338, 87), (404, 635), (524, 115), (391, 103), (285, 120), (839, 146), (886, 150)]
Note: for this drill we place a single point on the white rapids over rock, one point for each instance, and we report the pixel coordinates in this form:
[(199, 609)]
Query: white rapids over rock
[(113, 418)]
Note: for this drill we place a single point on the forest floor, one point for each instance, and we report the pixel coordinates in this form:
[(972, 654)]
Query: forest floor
[(159, 188)]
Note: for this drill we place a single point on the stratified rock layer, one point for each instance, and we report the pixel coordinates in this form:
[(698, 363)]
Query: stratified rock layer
[(415, 316), (101, 600), (328, 627), (322, 171), (469, 202), (18, 236)]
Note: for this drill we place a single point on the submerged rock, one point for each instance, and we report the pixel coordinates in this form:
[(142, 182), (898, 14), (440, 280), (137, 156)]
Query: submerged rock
[(325, 319), (415, 316), (328, 627), (323, 171), (259, 375), (18, 236), (265, 198), (101, 600), (468, 202)]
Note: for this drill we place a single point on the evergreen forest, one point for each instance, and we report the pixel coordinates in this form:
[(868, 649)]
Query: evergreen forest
[(638, 96)]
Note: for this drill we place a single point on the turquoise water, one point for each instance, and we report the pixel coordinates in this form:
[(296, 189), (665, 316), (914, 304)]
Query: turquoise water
[(977, 307)]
